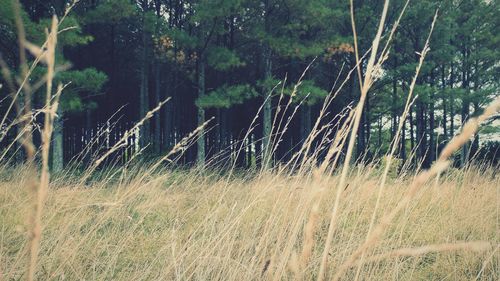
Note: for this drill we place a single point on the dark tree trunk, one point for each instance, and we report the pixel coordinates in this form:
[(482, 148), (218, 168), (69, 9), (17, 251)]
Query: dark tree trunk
[(412, 131), (157, 85), (305, 124), (266, 57), (360, 144), (168, 131), (465, 105), (452, 103), (445, 111), (218, 131), (361, 137), (379, 136), (475, 142), (57, 161), (421, 135), (200, 144), (367, 123), (144, 91), (402, 151), (249, 153), (432, 146), (394, 109), (156, 117), (267, 111)]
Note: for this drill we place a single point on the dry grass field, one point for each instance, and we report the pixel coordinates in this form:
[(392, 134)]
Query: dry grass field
[(198, 225)]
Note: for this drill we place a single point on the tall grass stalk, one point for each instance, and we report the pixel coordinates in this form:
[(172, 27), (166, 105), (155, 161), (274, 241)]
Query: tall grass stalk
[(395, 141), (365, 86)]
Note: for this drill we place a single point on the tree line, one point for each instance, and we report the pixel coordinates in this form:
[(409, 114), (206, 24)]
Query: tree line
[(243, 67)]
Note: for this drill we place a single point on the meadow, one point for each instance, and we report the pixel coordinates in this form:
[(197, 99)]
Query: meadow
[(199, 225)]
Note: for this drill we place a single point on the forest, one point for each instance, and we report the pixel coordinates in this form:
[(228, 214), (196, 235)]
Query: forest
[(249, 140), (227, 62)]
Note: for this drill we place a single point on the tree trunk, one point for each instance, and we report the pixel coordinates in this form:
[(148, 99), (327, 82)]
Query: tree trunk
[(379, 136), (171, 109), (200, 144), (144, 91), (168, 131), (432, 146), (267, 111), (57, 161), (360, 141), (475, 142), (402, 151), (421, 135), (394, 113), (361, 138), (367, 122), (249, 153), (218, 131), (305, 124), (412, 132), (464, 158), (112, 73), (156, 117), (452, 103), (445, 109)]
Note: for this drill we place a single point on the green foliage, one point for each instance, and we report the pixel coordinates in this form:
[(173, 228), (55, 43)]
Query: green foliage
[(82, 84), (8, 31), (71, 102), (300, 29), (270, 85), (490, 129), (227, 96), (73, 34), (305, 90), (110, 12), (308, 90), (424, 92), (207, 10), (223, 59), (88, 80), (290, 48), (182, 38)]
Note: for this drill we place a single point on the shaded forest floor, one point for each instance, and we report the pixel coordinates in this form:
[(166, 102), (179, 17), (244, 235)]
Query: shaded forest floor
[(201, 226)]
